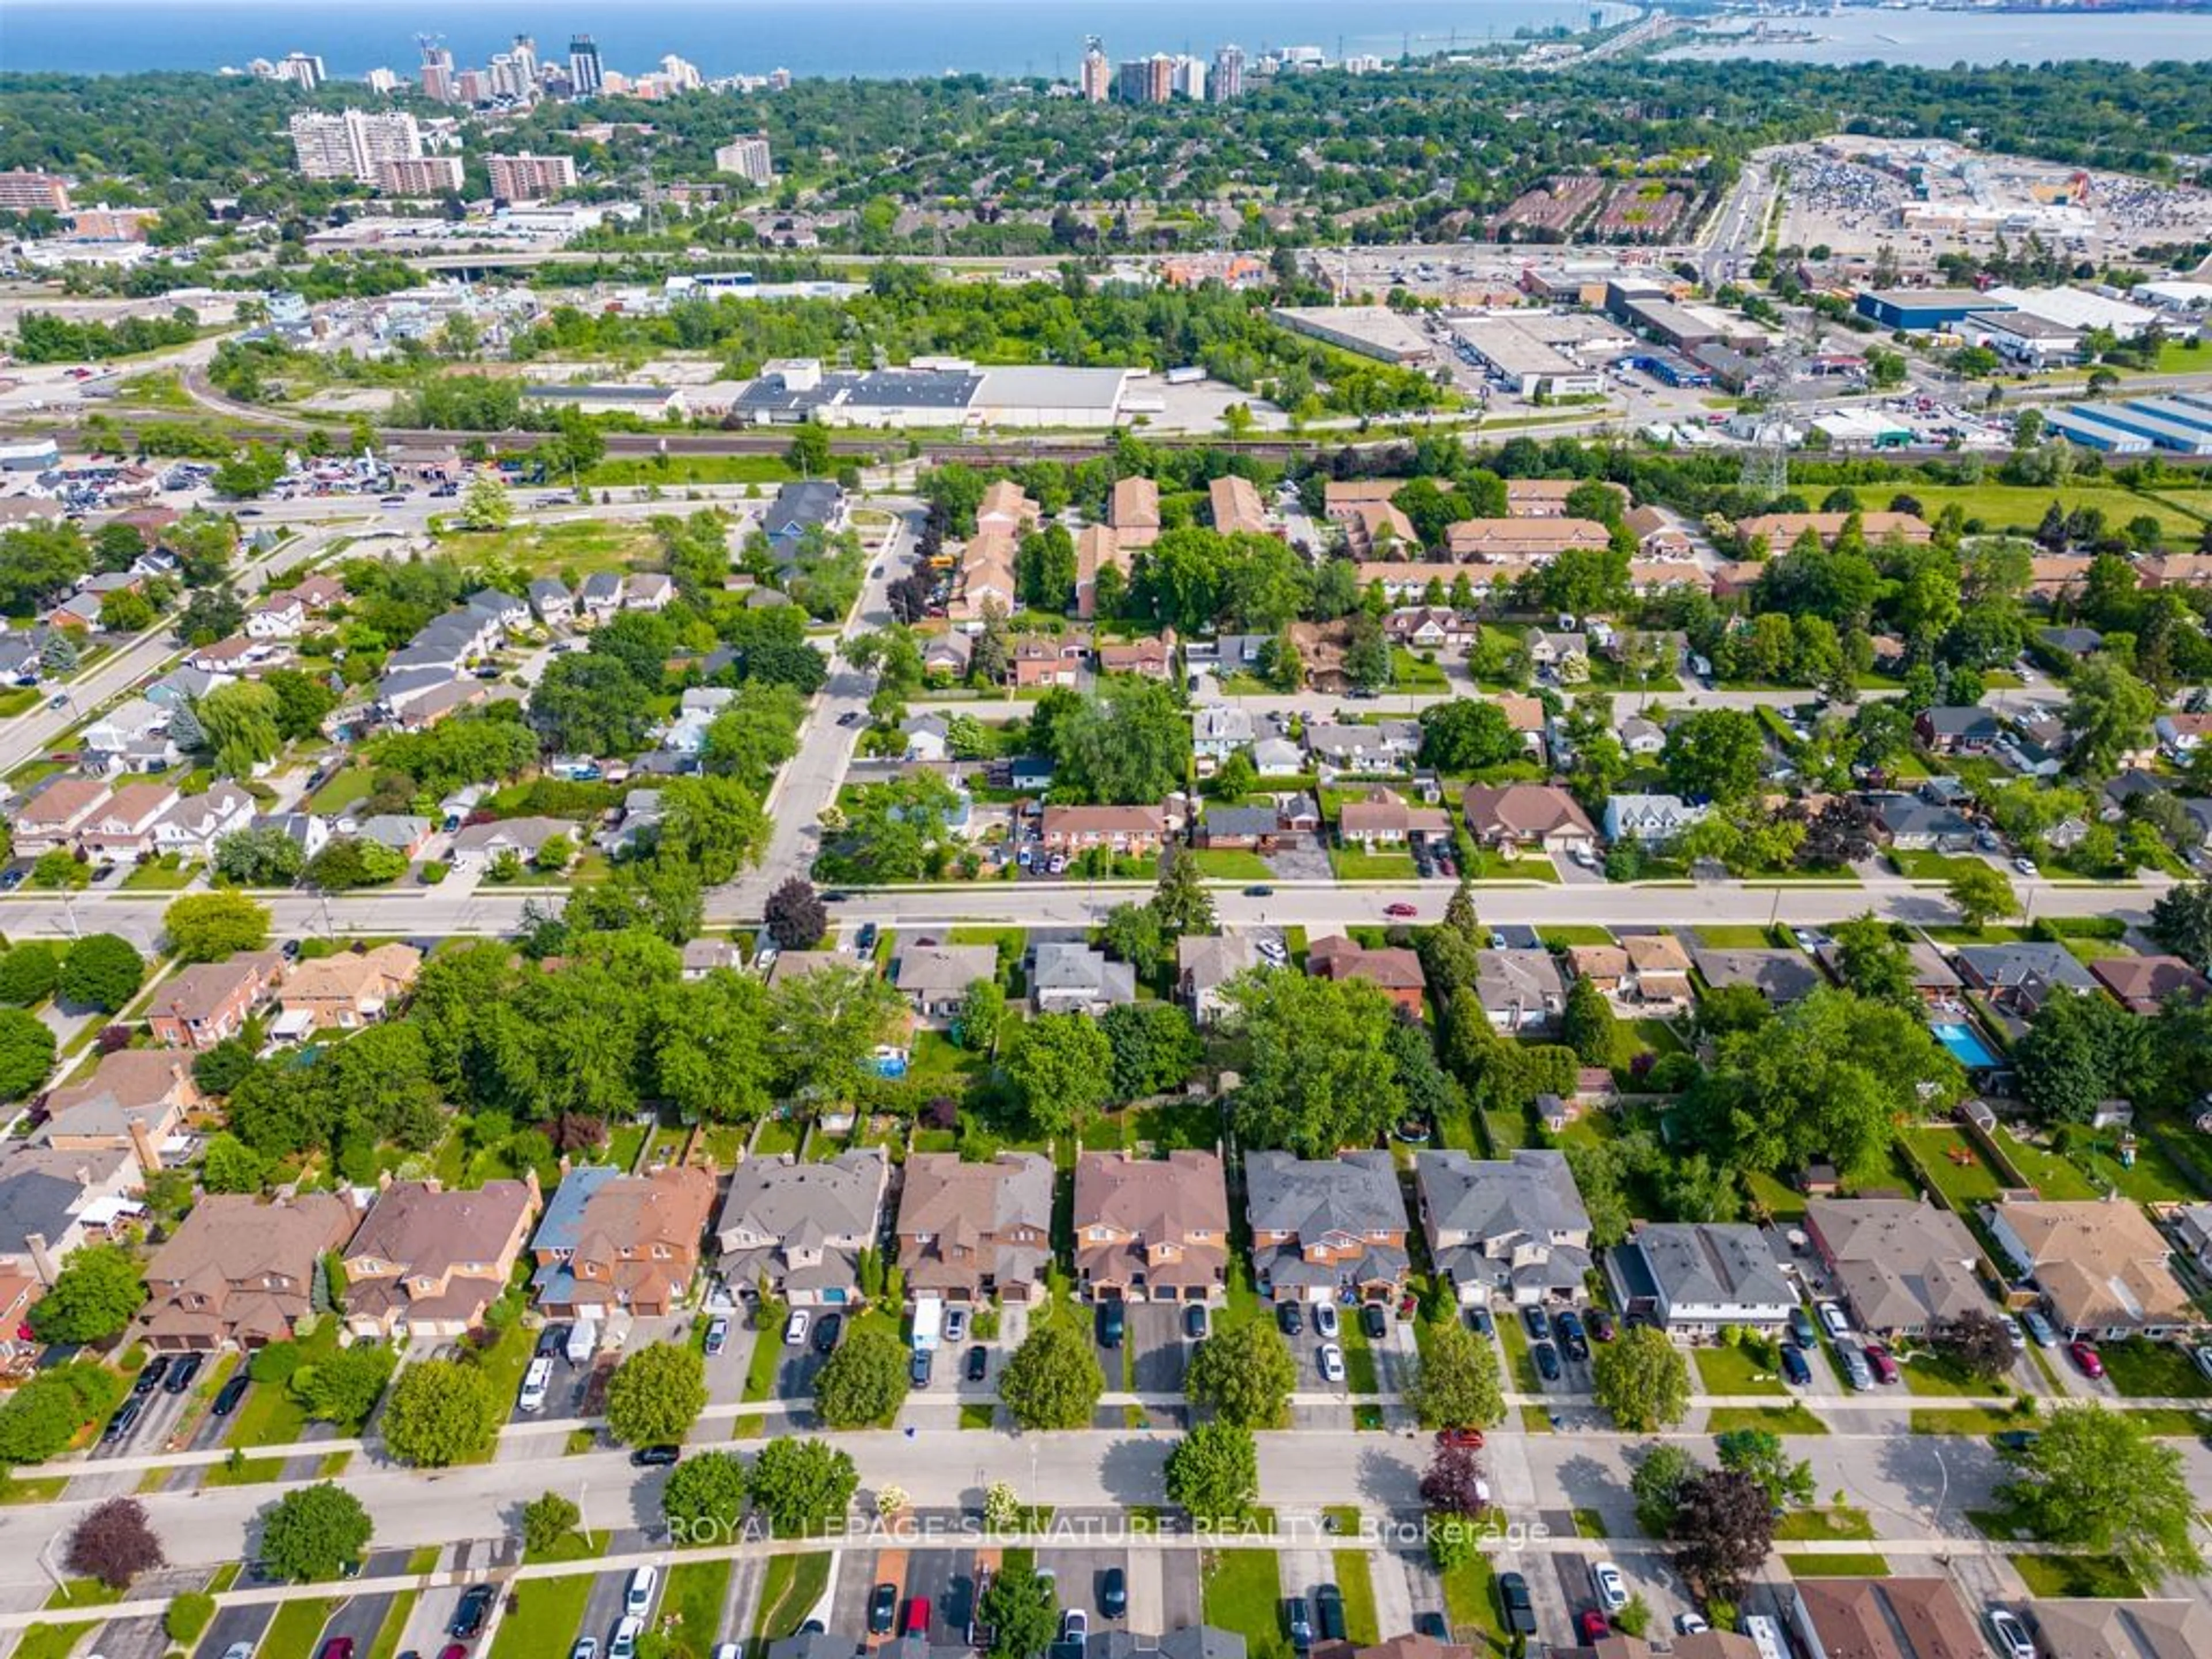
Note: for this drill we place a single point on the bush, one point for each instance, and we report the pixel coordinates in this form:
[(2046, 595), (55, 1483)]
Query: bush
[(436, 871)]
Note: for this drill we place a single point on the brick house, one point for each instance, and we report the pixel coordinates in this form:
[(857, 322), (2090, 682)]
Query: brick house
[(428, 1261), (210, 1000), (968, 1231), (1151, 1229), (1326, 1229), (352, 988), (608, 1241), (238, 1271)]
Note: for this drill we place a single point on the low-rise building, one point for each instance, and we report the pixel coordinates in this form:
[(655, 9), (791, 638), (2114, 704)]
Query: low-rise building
[(200, 1006), (1205, 963), (1903, 1265), (351, 989), (1520, 990), (799, 1228), (429, 1261), (1151, 1229), (2145, 985), (1066, 978), (970, 1232), (611, 1241), (2105, 1270), (935, 979), (2067, 1629), (1326, 1229), (1513, 1230), (1396, 972), (1882, 1619), (1693, 1277), (238, 1272), (1527, 818), (135, 1101)]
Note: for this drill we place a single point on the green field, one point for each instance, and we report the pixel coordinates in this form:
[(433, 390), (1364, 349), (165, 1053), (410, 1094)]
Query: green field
[(1735, 1371), (669, 471), (1955, 1165), (2021, 507), (1352, 865), (583, 546), (1231, 864), (343, 790)]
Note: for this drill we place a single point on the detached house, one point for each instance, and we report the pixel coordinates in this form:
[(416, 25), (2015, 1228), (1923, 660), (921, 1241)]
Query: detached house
[(351, 989), (428, 1262), (1520, 990), (971, 1231), (135, 1101), (208, 1002), (1326, 1229), (1151, 1229), (1527, 818), (237, 1271), (1204, 963), (935, 979), (1380, 817), (191, 827), (1396, 972), (122, 827), (1513, 1230), (609, 1240), (50, 819), (799, 1228)]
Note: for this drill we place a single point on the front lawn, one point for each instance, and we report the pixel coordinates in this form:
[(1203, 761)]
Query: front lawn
[(297, 1624), (168, 874), (2101, 1576), (1836, 1566), (1231, 864), (1361, 1626), (1824, 1526), (548, 1612), (1928, 867), (1926, 1372), (1242, 1593), (1471, 1605), (1351, 865), (2151, 1370), (1736, 1371), (792, 1584), (696, 1593), (1792, 1418)]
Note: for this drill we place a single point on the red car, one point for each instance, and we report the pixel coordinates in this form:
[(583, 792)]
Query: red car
[(1593, 1627), (1884, 1366), (338, 1647), (916, 1622), (452, 1650), (1470, 1439), (1399, 910), (2087, 1358)]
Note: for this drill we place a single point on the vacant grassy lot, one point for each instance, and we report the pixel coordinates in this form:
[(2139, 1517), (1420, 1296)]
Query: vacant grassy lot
[(584, 546), (548, 1613), (2021, 507)]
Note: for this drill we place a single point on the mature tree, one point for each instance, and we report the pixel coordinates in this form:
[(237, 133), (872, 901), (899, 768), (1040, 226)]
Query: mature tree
[(1642, 1379), (229, 1165), (1982, 893), (1454, 1482), (1662, 1473), (2079, 1052), (1129, 745), (442, 1413), (1053, 1381), (656, 1395), (30, 973), (1875, 962), (92, 1299), (1466, 735), (795, 915), (213, 927), (1587, 1026), (711, 1050), (1829, 1077), (102, 971), (302, 702), (2181, 918), (1214, 1472), (2109, 712), (1320, 1074), (1246, 1373), (1761, 1455), (26, 1053), (1020, 1610), (1723, 1529), (485, 504), (239, 722), (1456, 1382), (58, 868), (51, 1407), (592, 704), (802, 1486), (865, 1381), (823, 1026), (1155, 1048), (1715, 753), (314, 1533), (114, 1543), (1062, 1067), (2096, 1480), (345, 1389), (264, 857), (704, 1498), (713, 823), (546, 1520), (983, 1015), (1977, 1344), (1131, 933), (350, 861)]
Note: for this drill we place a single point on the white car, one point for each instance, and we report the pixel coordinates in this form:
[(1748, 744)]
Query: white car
[(1690, 1624), (1075, 1628), (2203, 1358), (1832, 1316), (1325, 1320), (1332, 1363), (794, 1328), (2012, 1641), (637, 1597), (2025, 866), (726, 1650), (956, 1324), (1611, 1588), (625, 1646)]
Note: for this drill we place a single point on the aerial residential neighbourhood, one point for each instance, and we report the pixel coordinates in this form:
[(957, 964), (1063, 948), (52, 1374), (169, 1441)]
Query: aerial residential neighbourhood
[(832, 832)]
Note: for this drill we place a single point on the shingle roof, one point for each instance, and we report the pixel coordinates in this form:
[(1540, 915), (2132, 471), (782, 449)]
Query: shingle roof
[(1353, 1193)]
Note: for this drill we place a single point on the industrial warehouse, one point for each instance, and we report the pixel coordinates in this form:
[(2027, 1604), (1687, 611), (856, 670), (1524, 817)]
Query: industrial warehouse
[(932, 392)]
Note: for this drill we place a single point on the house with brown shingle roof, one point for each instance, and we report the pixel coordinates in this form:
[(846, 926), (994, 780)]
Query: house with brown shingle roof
[(1882, 1619), (352, 988), (122, 824), (800, 1227), (2142, 985), (1780, 531), (1133, 512), (628, 1241), (971, 1231), (1546, 498), (2178, 1629), (51, 818), (209, 1000), (1903, 1265), (1236, 506), (428, 1261), (136, 1099), (1397, 973), (1151, 1229), (2104, 1269), (1380, 817), (1097, 548), (1520, 540), (1006, 505), (239, 1271), (1527, 818)]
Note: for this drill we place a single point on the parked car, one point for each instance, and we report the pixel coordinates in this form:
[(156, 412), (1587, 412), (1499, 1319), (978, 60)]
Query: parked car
[(338, 1647), (150, 1374), (2086, 1357), (1570, 1336), (1800, 1328), (918, 1368), (1300, 1622), (227, 1396), (1329, 1613), (125, 1417), (1467, 1439), (916, 1621), (979, 1362), (1857, 1372), (1332, 1363), (718, 1336), (475, 1606), (1113, 1322), (1796, 1368), (1519, 1608), (956, 1326), (1374, 1320), (2025, 866), (2044, 1335), (1325, 1321), (587, 1647), (1537, 1324), (883, 1605), (1611, 1588), (826, 1330), (655, 1457), (1833, 1320), (1547, 1361), (637, 1595), (2011, 1639), (1690, 1624), (794, 1328), (1884, 1366), (1401, 910), (1193, 1321), (1594, 1626), (1290, 1319), (625, 1646), (1432, 1626), (2203, 1358), (1479, 1321)]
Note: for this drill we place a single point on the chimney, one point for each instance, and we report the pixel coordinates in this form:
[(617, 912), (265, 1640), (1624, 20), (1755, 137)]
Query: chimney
[(42, 1262), (149, 1157)]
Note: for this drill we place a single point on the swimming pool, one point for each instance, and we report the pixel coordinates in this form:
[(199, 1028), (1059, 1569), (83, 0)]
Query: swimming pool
[(1965, 1044), (892, 1066)]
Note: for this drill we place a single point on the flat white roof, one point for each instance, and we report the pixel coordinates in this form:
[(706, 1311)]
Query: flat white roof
[(1048, 387), (2076, 307)]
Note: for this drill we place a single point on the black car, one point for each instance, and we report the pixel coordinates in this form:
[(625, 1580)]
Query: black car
[(1570, 1337), (1374, 1320), (979, 1362), (1259, 892), (1432, 1626), (1113, 1594), (1328, 1610), (1478, 1321), (1539, 1328), (188, 1367), (551, 1340), (917, 1368), (826, 1330), (1300, 1622), (469, 1617), (655, 1457), (1289, 1318), (864, 940), (150, 1374), (1547, 1361), (126, 1415), (1520, 1610), (227, 1396), (1113, 1322), (881, 1605), (1193, 1321)]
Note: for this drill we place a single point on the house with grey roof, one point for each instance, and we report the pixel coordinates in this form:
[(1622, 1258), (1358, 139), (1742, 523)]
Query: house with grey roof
[(1780, 976), (1903, 1265), (800, 1227), (1655, 820), (1067, 978), (600, 596), (551, 600), (1278, 758), (1191, 1642), (1325, 1228), (1520, 990), (1693, 1277), (2020, 977), (935, 979), (1513, 1230), (1205, 963), (1914, 826)]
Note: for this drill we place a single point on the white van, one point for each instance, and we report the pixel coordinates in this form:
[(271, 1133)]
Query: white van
[(637, 1599), (1766, 1636), (535, 1381), (624, 1646)]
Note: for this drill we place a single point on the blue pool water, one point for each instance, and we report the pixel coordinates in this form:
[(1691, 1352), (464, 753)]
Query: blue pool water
[(1966, 1047), (889, 1066)]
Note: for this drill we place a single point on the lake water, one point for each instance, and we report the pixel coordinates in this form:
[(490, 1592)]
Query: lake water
[(1940, 39), (837, 38)]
